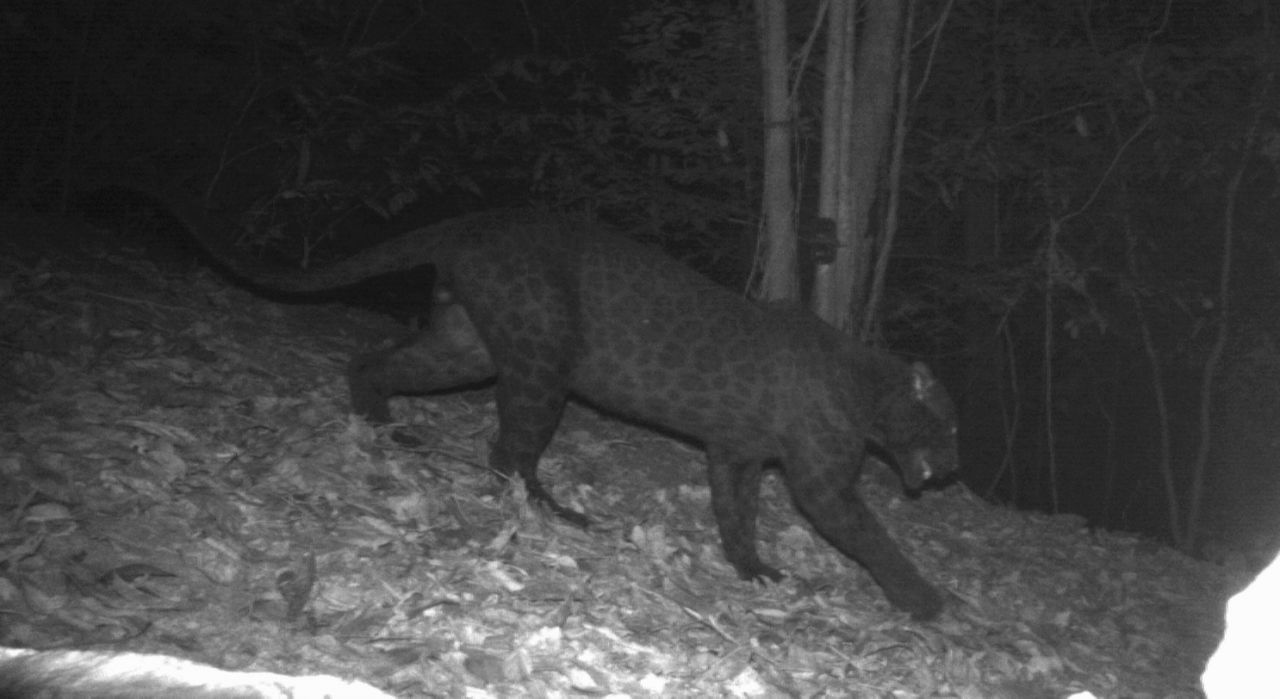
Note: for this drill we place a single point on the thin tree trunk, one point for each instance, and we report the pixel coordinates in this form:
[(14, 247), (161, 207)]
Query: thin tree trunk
[(1165, 464), (829, 293), (778, 278), (840, 288), (1051, 272), (890, 224), (1195, 494), (837, 96)]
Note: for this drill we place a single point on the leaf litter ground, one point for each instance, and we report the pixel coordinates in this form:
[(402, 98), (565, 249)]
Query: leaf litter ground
[(179, 474)]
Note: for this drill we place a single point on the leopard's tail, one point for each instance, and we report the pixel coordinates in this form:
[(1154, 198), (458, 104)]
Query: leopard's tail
[(432, 244)]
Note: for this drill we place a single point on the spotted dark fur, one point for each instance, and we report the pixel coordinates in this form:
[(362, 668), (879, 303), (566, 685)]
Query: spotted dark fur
[(552, 308)]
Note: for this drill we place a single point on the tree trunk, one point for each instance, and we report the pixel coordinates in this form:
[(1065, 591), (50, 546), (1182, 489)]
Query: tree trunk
[(1213, 363), (777, 249), (855, 137)]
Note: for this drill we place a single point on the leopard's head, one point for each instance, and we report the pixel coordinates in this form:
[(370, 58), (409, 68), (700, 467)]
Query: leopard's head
[(917, 427)]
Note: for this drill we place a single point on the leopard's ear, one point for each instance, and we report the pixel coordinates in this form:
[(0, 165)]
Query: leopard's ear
[(921, 379)]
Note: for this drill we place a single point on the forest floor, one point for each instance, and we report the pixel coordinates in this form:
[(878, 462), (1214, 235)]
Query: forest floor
[(179, 474)]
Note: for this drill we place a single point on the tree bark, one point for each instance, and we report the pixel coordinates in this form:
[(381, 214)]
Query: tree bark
[(862, 127), (777, 256), (1212, 363)]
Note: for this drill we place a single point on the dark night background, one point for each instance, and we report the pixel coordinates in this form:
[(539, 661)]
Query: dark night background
[(1072, 172)]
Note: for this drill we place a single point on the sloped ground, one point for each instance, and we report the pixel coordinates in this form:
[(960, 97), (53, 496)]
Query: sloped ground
[(179, 474)]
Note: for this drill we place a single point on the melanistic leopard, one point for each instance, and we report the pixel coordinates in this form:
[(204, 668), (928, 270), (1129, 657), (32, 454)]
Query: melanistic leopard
[(552, 306)]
